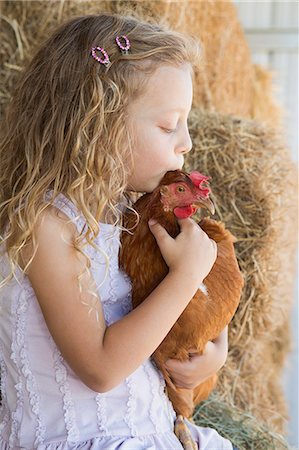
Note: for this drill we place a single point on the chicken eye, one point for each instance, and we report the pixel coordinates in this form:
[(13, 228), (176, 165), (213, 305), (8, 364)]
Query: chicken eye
[(180, 189)]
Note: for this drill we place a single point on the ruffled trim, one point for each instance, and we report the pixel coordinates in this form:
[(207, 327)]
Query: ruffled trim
[(30, 381), (64, 387), (4, 406), (113, 266), (16, 415), (34, 396), (157, 394), (19, 355), (205, 438), (102, 413), (149, 374), (159, 441), (111, 238), (126, 302), (131, 407), (113, 276)]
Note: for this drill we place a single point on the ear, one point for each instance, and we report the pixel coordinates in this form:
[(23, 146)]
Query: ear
[(164, 190)]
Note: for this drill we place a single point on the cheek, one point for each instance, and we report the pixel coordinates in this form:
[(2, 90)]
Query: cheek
[(149, 149), (152, 151)]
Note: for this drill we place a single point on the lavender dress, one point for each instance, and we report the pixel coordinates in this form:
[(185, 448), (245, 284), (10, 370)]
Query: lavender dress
[(45, 405)]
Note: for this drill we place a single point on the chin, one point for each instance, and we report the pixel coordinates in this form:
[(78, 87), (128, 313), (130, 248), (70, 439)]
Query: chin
[(151, 185), (145, 189)]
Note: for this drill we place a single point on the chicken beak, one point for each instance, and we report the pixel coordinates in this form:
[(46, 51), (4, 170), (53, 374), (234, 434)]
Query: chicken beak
[(205, 203)]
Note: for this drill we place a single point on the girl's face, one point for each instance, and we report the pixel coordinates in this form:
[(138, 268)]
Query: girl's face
[(159, 123)]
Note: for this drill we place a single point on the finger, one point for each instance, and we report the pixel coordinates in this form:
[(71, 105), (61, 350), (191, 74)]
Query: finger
[(214, 245), (184, 221), (193, 350), (223, 336), (172, 364), (209, 347), (158, 231), (187, 223), (192, 353), (176, 366)]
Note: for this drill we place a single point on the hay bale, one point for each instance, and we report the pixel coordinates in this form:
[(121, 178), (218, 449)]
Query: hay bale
[(241, 428), (227, 82), (254, 187)]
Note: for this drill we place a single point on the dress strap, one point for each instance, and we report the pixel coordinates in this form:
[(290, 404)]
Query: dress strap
[(65, 205)]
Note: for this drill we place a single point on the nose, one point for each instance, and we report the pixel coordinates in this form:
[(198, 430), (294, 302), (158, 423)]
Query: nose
[(186, 144)]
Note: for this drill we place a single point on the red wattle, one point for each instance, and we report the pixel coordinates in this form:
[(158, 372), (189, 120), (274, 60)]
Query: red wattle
[(184, 211)]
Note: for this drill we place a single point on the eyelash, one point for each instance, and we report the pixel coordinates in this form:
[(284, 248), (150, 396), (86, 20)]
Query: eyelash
[(167, 130)]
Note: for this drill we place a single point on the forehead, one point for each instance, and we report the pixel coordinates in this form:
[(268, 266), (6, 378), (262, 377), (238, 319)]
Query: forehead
[(169, 89)]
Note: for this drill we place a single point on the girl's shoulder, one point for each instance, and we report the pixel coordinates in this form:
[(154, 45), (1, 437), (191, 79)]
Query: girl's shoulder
[(70, 210), (62, 216), (52, 221)]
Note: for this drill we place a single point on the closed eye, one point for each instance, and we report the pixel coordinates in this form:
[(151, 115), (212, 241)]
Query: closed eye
[(168, 130), (172, 130)]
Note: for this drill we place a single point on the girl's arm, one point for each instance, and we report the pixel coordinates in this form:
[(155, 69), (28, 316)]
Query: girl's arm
[(103, 356)]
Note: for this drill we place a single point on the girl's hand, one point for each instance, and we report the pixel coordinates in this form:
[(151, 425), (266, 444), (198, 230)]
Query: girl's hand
[(192, 253), (189, 374)]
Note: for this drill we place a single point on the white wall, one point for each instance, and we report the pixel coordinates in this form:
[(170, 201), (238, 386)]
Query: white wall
[(271, 28)]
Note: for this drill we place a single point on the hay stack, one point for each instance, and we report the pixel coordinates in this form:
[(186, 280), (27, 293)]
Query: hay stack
[(244, 430), (227, 82), (254, 188)]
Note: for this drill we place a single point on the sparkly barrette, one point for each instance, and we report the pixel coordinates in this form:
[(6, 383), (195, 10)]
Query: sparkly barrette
[(105, 60), (123, 48)]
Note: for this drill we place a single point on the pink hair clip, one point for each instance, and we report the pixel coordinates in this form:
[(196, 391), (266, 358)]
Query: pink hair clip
[(123, 48), (105, 61)]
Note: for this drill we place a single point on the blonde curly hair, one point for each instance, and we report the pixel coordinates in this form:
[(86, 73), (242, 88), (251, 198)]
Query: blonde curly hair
[(66, 125)]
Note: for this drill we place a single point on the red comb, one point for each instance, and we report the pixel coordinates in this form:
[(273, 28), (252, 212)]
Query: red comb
[(197, 179)]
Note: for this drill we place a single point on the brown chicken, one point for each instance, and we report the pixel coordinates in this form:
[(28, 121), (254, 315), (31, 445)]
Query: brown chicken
[(213, 305)]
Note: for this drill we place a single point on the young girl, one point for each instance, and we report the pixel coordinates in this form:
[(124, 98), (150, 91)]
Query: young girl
[(100, 112)]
